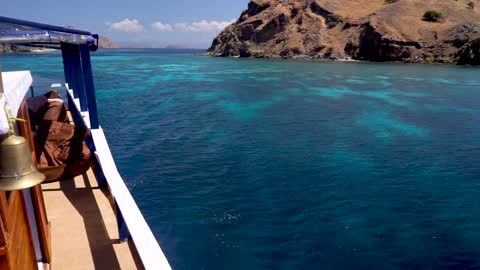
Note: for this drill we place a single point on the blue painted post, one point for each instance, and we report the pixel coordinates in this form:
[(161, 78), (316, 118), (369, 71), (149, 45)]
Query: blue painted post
[(101, 179), (67, 67), (77, 117), (78, 76), (123, 233), (89, 87)]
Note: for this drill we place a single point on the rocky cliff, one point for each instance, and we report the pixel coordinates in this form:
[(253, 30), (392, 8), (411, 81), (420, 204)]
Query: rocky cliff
[(6, 48), (371, 30)]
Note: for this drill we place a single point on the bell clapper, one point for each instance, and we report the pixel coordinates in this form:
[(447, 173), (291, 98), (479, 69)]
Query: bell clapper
[(12, 120)]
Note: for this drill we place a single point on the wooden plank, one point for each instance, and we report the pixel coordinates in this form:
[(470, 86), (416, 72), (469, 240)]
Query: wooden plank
[(42, 223), (20, 251), (37, 196), (5, 260)]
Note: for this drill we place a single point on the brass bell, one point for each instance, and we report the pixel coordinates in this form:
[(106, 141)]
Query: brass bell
[(17, 170)]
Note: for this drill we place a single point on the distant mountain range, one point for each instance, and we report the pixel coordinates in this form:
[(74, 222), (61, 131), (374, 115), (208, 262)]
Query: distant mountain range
[(420, 31), (146, 45), (103, 42)]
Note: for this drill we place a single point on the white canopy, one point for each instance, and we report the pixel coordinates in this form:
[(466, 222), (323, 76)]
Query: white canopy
[(15, 86)]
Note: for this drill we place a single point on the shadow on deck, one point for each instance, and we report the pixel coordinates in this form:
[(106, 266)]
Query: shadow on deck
[(84, 227)]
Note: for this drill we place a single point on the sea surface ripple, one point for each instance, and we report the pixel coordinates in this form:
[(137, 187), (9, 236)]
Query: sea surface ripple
[(271, 164)]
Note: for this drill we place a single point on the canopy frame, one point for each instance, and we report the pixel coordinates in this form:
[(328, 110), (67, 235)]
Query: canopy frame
[(75, 45)]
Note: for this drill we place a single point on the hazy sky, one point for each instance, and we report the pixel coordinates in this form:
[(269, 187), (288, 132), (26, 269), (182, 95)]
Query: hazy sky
[(191, 23)]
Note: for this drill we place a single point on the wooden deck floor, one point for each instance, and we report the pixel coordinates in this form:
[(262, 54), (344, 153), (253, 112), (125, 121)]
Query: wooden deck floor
[(84, 228)]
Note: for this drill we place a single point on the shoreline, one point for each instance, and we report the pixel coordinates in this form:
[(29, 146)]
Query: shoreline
[(342, 60)]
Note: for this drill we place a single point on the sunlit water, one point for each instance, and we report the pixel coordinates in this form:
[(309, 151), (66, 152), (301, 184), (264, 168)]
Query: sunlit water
[(263, 164)]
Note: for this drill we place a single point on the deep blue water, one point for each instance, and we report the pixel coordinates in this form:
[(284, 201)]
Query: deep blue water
[(265, 164)]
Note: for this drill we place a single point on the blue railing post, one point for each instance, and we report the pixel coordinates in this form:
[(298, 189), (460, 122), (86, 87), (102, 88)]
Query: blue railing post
[(101, 179), (67, 68), (78, 76), (77, 117), (89, 87), (123, 233)]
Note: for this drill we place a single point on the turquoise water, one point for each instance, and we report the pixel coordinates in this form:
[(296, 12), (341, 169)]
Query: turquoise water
[(264, 164)]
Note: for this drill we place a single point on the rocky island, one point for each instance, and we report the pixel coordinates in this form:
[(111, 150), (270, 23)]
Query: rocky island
[(6, 48), (106, 43), (415, 31)]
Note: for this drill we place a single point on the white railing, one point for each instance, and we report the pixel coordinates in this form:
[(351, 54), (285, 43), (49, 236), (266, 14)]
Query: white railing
[(147, 246)]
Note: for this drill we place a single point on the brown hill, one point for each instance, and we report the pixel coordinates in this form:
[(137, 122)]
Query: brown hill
[(373, 30), (104, 42)]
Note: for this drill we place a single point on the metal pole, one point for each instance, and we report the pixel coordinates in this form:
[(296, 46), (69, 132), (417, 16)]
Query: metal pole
[(89, 87), (66, 65), (79, 77)]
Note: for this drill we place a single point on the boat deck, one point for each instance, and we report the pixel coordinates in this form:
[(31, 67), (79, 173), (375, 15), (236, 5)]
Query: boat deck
[(84, 230)]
